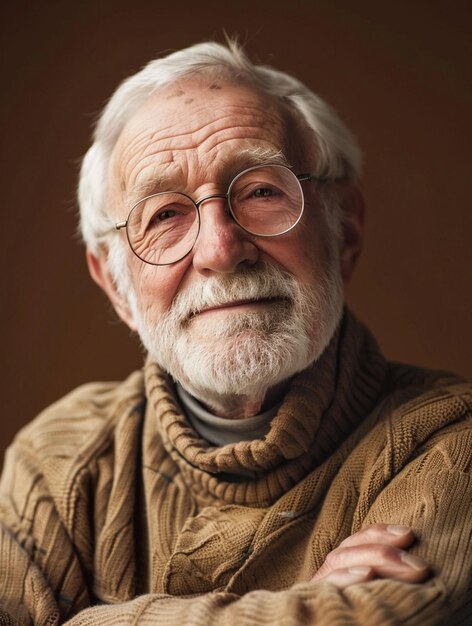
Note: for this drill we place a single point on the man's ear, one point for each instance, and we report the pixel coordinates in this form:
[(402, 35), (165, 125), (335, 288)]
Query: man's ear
[(352, 235), (99, 271)]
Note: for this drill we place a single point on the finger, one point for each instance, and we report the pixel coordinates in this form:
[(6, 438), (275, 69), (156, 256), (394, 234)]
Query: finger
[(386, 562), (343, 578), (392, 534)]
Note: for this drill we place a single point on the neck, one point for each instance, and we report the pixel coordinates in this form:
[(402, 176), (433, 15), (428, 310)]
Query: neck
[(233, 406)]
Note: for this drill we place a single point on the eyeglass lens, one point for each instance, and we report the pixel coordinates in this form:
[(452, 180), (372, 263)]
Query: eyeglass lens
[(265, 201)]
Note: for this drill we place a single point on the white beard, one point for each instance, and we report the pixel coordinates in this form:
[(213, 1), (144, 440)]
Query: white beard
[(242, 353)]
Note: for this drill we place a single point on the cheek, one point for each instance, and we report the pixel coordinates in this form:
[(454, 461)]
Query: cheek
[(155, 287), (300, 252), (316, 242)]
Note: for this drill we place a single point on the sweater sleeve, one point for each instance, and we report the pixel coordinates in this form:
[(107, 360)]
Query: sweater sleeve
[(432, 494)]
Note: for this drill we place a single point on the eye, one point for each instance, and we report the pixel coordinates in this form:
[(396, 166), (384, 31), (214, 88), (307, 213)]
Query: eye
[(263, 192), (161, 216), (165, 215)]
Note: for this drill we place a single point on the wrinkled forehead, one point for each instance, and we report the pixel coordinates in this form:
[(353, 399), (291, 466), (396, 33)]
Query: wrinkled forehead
[(190, 113), (181, 103)]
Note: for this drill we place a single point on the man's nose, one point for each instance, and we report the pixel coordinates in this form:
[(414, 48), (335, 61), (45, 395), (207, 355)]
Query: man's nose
[(222, 245)]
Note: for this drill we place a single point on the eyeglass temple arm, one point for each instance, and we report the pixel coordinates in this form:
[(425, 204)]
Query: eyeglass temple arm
[(309, 177)]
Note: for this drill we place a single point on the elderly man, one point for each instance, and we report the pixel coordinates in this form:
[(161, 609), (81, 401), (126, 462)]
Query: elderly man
[(267, 466)]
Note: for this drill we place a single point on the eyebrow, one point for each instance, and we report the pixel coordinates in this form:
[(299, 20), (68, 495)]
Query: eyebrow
[(249, 157), (147, 187), (246, 158)]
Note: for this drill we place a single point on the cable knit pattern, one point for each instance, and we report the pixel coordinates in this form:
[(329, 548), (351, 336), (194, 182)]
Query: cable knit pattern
[(114, 511)]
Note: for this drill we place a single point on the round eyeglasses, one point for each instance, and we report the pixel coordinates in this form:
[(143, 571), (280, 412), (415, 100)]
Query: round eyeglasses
[(265, 200)]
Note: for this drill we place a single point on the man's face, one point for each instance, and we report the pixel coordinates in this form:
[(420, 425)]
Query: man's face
[(194, 137)]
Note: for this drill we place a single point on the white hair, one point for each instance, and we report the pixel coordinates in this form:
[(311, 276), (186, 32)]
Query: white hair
[(337, 152)]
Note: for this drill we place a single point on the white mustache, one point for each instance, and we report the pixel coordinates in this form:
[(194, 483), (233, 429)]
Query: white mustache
[(264, 282)]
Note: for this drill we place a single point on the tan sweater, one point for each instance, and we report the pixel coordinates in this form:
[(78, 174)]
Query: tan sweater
[(115, 512)]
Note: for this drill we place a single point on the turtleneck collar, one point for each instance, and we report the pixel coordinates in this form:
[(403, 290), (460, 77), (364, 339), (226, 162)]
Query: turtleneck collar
[(323, 405)]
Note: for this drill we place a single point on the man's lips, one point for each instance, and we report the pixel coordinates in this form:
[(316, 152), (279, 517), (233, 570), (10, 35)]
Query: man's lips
[(240, 303)]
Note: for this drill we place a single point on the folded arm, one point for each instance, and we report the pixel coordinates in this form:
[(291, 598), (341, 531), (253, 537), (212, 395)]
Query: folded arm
[(370, 578)]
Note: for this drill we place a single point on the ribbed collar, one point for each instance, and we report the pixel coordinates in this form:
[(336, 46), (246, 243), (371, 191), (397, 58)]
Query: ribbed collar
[(323, 405)]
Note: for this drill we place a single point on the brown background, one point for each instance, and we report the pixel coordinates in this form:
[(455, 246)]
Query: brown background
[(397, 72)]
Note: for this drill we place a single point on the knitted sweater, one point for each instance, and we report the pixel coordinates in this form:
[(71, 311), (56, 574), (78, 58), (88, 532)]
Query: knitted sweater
[(115, 512)]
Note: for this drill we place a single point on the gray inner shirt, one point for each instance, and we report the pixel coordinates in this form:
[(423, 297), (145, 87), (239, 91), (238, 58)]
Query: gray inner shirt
[(220, 431)]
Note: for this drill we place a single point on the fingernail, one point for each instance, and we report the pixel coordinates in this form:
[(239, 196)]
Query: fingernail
[(414, 561), (359, 571), (397, 529)]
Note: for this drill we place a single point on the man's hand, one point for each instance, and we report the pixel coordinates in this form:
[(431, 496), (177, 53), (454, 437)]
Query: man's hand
[(379, 551)]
